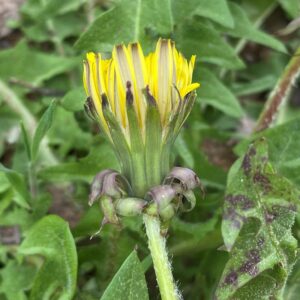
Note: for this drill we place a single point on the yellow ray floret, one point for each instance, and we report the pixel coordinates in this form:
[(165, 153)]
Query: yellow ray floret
[(165, 73)]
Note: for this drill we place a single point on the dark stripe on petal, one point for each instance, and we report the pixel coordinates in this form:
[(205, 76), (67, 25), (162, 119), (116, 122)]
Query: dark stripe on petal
[(150, 99), (129, 95), (104, 101), (90, 109)]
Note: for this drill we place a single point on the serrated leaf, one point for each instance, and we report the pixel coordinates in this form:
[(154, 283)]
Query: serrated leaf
[(136, 16), (213, 92), (129, 283), (292, 289), (194, 37), (216, 10), (52, 239), (42, 128), (17, 181), (259, 211), (32, 66), (284, 144), (15, 280), (243, 28)]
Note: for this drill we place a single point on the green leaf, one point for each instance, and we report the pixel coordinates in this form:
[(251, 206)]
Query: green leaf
[(32, 66), (195, 230), (26, 140), (65, 132), (284, 144), (41, 9), (213, 92), (52, 239), (67, 25), (243, 28), (15, 280), (292, 289), (42, 128), (18, 183), (85, 169), (184, 152), (195, 37), (292, 7), (74, 99), (5, 199), (258, 85), (25, 219), (216, 10), (4, 182), (259, 211), (129, 283), (136, 16)]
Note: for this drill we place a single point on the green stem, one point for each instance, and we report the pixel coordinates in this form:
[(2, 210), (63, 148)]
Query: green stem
[(162, 266), (32, 180)]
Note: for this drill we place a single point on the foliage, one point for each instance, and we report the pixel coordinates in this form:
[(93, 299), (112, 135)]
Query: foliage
[(50, 158)]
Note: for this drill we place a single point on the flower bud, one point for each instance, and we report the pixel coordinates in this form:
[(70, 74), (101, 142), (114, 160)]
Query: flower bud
[(110, 183), (162, 195), (108, 209), (140, 102), (188, 201), (128, 207), (168, 212), (184, 177)]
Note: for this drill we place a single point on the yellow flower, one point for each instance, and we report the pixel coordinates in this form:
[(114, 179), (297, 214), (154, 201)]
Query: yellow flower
[(140, 102), (163, 76)]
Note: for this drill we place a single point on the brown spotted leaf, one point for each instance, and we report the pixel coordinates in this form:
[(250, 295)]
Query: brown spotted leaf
[(259, 211)]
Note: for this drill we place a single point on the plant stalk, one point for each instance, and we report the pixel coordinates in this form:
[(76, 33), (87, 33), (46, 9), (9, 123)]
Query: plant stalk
[(280, 94), (162, 266)]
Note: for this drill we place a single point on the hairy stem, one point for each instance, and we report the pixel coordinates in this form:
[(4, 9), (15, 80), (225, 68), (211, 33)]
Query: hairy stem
[(162, 266), (280, 93)]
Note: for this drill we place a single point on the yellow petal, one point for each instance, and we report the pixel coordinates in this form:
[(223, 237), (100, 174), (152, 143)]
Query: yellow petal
[(164, 76), (188, 89), (140, 76), (125, 73), (93, 92)]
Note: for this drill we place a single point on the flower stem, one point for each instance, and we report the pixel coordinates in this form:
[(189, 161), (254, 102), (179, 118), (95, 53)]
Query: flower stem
[(162, 266)]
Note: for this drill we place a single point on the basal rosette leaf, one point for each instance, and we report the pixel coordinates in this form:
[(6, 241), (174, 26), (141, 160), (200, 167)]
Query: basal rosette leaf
[(51, 239), (259, 212)]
